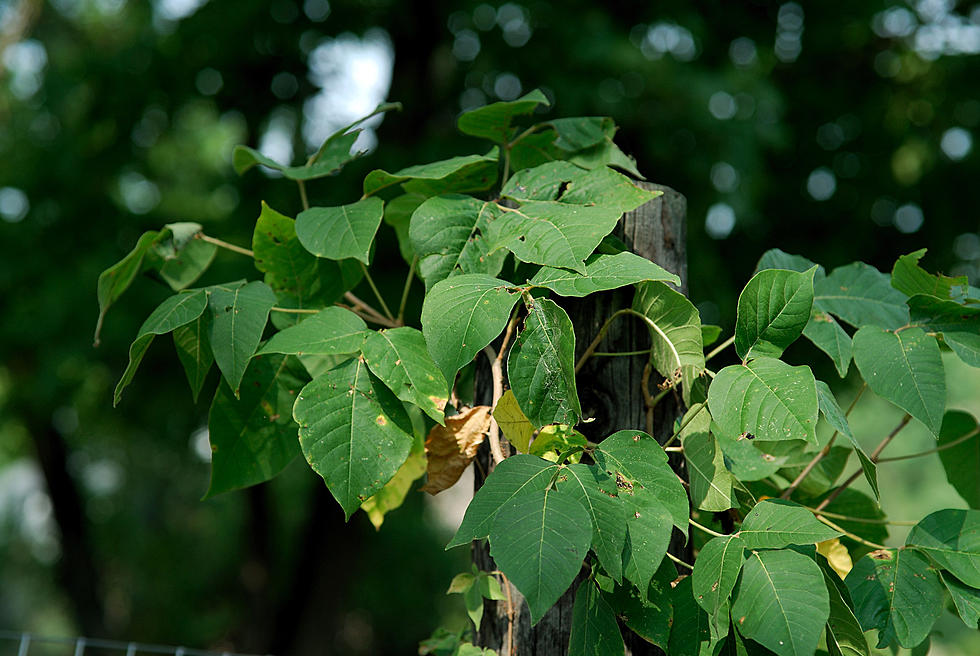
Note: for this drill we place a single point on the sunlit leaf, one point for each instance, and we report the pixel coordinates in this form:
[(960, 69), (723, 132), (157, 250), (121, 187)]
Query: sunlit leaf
[(458, 174), (238, 317), (494, 121), (602, 272), (861, 295), (337, 233), (711, 482), (910, 279), (675, 331), (773, 309), (515, 426), (399, 357), (827, 335), (959, 324), (951, 538), (962, 461)]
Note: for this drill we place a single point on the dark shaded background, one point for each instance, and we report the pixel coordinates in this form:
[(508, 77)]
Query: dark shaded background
[(841, 131)]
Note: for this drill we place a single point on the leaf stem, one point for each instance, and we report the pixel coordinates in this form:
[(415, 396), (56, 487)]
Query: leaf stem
[(861, 520), (224, 244), (856, 538), (408, 285), (293, 310), (497, 374), (598, 340), (693, 412), (679, 561), (619, 353), (948, 445), (721, 347), (377, 294), (302, 194), (367, 316), (647, 399), (706, 529)]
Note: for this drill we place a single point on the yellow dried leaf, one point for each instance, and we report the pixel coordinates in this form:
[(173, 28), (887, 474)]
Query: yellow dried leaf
[(450, 448), (515, 426), (836, 555)]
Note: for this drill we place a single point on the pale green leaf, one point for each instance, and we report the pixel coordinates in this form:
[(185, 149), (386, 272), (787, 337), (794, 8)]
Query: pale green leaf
[(594, 631), (603, 186), (828, 336), (775, 258), (602, 272), (400, 359), (838, 420), (961, 462), (337, 233), (194, 352), (959, 324), (460, 174), (781, 602), (965, 599), (180, 259), (905, 368), (775, 523), (675, 331), (711, 482), (716, 570), (493, 121), (578, 132), (543, 182), (353, 432), (951, 538), (773, 309), (331, 331), (861, 295), (238, 317), (596, 491), (538, 540), (910, 279)]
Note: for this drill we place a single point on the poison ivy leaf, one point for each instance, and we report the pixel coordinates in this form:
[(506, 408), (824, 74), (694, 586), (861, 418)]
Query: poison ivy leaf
[(715, 572), (448, 235), (238, 318), (773, 309), (115, 280), (398, 214), (331, 331), (774, 523), (775, 258), (675, 331), (828, 336), (959, 324), (602, 272), (838, 420), (648, 614), (781, 602), (837, 555), (868, 518), (194, 352), (451, 448), (962, 461), (951, 538), (539, 540), (399, 358), (461, 315), (861, 295), (905, 368), (823, 476), (493, 121), (337, 233), (515, 426), (910, 279), (579, 132), (178, 257), (174, 312), (253, 438), (898, 593), (603, 186), (393, 494), (693, 633), (766, 398), (541, 366), (604, 153), (353, 432), (520, 474), (710, 334), (844, 634), (458, 174), (966, 599), (557, 438), (595, 631), (543, 182), (711, 482), (337, 154), (648, 533), (596, 491), (744, 458), (552, 233)]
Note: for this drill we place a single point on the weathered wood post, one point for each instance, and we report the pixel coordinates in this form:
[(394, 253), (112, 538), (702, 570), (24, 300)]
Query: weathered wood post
[(610, 392)]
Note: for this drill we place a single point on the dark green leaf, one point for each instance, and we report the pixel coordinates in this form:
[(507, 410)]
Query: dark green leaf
[(675, 331), (648, 615), (844, 634), (966, 599), (115, 280), (541, 366), (711, 482), (493, 121), (693, 633), (774, 523), (602, 272), (515, 475), (398, 214), (238, 318), (715, 572), (898, 593), (905, 368), (253, 438), (194, 352), (951, 538), (781, 602), (861, 295), (337, 233), (836, 418), (337, 154), (539, 539), (461, 315), (543, 182), (773, 309), (399, 358), (180, 259), (961, 462), (579, 132), (596, 491), (827, 335), (353, 432), (595, 631), (767, 398), (458, 174), (910, 279), (775, 258), (959, 324), (859, 505), (174, 312), (331, 331)]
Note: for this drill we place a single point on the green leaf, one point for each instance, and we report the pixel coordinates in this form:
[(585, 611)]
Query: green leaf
[(603, 186), (518, 474), (555, 439), (827, 335), (862, 507), (578, 132), (715, 572), (648, 614), (710, 334), (461, 315), (898, 593), (539, 540), (602, 272), (337, 233), (595, 631), (838, 420), (543, 182), (596, 491), (773, 309), (515, 426), (180, 259), (474, 605), (459, 174), (693, 633), (965, 599), (493, 121), (552, 233), (959, 324), (399, 358), (398, 215), (353, 432), (115, 280), (393, 494), (541, 366), (961, 462), (781, 602), (194, 352), (861, 295), (775, 523), (448, 234), (675, 331), (844, 635), (767, 398), (711, 482), (775, 258), (951, 538), (331, 331), (635, 459), (905, 368), (253, 438), (174, 312), (910, 279), (238, 318)]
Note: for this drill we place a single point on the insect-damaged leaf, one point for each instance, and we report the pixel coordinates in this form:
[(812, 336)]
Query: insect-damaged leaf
[(400, 359), (597, 491), (450, 448)]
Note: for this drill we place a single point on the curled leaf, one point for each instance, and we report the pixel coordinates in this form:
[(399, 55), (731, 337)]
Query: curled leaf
[(450, 448)]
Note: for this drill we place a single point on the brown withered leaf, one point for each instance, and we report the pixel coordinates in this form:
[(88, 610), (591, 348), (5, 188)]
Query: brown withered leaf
[(450, 448)]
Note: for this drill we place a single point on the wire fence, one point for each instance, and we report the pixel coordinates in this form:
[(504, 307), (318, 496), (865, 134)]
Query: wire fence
[(81, 646)]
